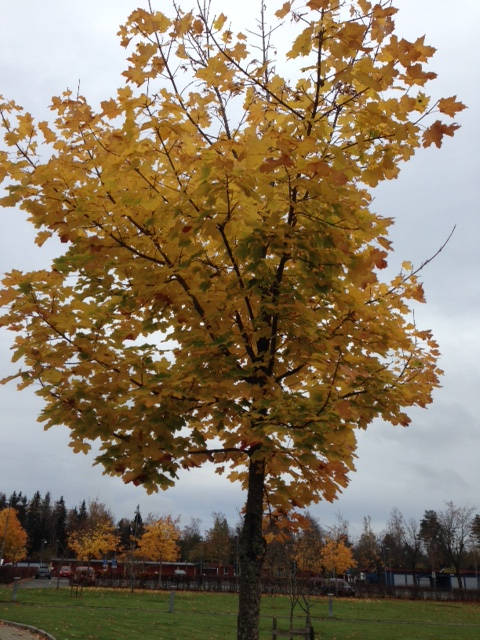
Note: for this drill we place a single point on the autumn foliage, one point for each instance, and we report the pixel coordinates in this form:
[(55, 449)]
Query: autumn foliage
[(93, 542), (160, 541), (219, 297), (336, 557), (13, 537), (221, 271)]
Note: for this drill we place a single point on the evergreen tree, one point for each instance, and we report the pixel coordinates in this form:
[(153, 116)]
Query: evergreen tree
[(430, 535), (34, 524), (82, 515), (124, 533), (60, 527), (476, 530), (138, 528), (47, 529), (21, 507), (72, 520)]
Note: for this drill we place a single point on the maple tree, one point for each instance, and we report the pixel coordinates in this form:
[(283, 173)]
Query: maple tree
[(94, 541), (336, 557), (219, 297), (159, 542), (13, 537)]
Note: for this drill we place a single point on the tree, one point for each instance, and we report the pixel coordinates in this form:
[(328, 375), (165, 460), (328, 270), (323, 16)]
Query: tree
[(13, 537), (191, 542), (93, 542), (98, 513), (279, 554), (430, 533), (340, 530), (77, 519), (159, 542), (219, 541), (366, 551), (412, 544), (455, 526), (219, 297), (475, 538), (137, 523), (47, 527), (305, 559), (476, 530), (34, 526), (60, 524), (124, 533), (129, 532), (336, 557), (18, 502), (393, 541), (308, 546), (446, 535)]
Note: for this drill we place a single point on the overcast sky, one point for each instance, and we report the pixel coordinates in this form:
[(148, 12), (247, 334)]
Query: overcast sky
[(48, 46)]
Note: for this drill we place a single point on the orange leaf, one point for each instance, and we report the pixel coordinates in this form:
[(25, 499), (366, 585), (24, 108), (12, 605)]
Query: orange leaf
[(435, 133), (318, 4), (450, 106), (281, 13)]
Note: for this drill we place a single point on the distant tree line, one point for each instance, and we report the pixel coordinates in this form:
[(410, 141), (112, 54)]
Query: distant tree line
[(443, 540), (50, 526)]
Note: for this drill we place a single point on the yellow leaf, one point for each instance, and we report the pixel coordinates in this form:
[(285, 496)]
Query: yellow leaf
[(219, 22), (41, 237), (52, 376), (110, 108), (303, 43), (48, 134)]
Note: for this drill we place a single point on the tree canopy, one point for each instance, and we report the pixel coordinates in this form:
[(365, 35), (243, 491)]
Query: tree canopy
[(219, 295), (94, 541), (13, 537), (159, 541), (220, 279)]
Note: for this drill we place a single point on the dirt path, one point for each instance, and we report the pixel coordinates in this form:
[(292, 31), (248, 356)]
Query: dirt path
[(10, 631)]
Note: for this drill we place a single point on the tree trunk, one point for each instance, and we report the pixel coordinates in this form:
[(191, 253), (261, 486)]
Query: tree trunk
[(252, 553), (459, 577)]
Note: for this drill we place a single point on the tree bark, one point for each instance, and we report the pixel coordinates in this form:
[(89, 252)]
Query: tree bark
[(252, 553)]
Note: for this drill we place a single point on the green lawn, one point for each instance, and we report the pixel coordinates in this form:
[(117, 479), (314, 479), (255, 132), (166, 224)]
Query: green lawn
[(121, 615)]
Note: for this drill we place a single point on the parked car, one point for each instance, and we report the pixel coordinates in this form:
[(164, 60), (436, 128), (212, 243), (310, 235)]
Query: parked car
[(335, 586), (339, 587), (65, 572), (43, 572)]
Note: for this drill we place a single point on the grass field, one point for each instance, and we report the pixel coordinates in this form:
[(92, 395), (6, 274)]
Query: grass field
[(121, 615)]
